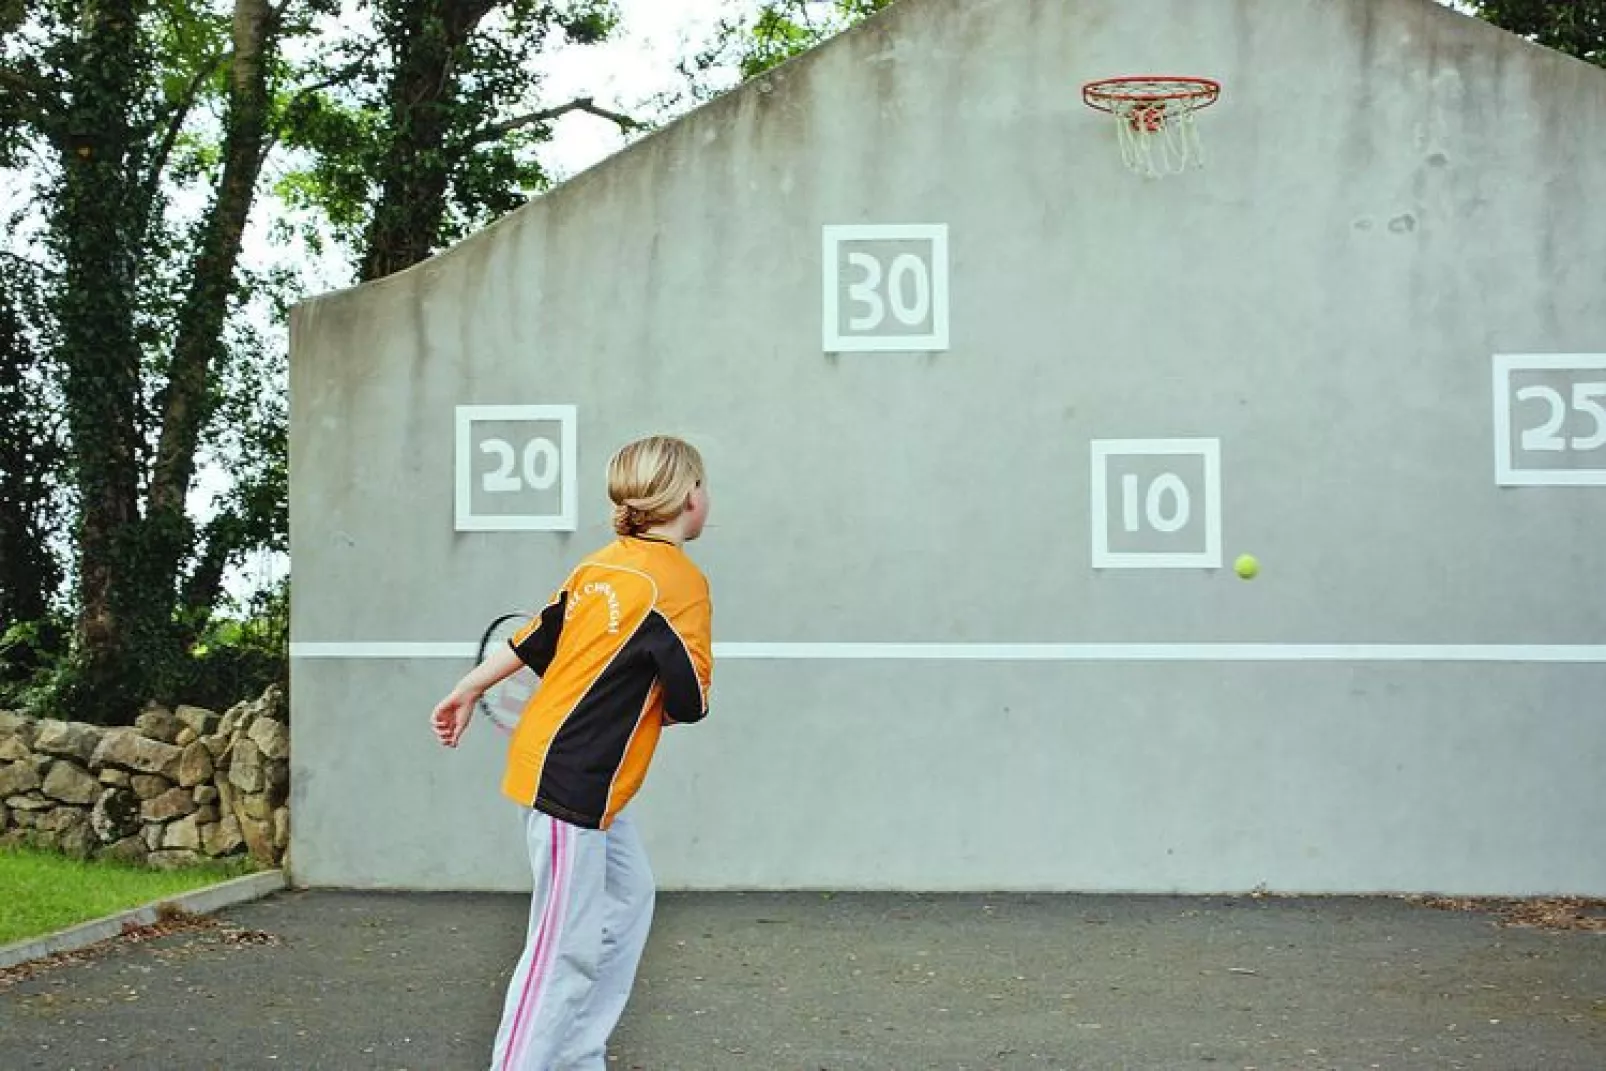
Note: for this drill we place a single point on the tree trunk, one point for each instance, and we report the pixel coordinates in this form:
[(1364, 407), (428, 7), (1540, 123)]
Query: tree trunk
[(204, 586), (28, 573), (191, 395), (426, 37), (99, 352)]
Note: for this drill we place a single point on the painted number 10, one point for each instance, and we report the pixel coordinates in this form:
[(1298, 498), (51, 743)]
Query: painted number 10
[(540, 468), (1166, 505), (908, 291), (1156, 503), (1586, 399)]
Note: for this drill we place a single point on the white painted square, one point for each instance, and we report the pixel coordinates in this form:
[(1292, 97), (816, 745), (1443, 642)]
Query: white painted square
[(1167, 503), (885, 288), (1550, 419), (517, 468)]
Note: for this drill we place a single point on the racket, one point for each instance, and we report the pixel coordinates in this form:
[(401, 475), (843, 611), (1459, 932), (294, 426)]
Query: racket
[(504, 702)]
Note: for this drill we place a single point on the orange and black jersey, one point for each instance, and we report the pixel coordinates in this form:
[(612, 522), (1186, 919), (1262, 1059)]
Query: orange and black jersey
[(623, 649)]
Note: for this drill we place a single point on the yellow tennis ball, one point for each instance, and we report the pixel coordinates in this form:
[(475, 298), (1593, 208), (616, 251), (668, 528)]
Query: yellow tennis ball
[(1246, 566)]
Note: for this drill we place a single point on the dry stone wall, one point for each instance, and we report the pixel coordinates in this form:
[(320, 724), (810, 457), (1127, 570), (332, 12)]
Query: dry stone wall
[(175, 788)]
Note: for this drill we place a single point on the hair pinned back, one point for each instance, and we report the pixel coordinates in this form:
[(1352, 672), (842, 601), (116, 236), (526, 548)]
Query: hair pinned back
[(650, 480)]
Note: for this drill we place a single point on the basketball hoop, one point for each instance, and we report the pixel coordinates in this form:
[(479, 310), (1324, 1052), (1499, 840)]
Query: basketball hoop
[(1154, 119)]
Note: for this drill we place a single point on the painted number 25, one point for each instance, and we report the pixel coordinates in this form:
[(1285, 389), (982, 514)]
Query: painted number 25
[(539, 471), (1586, 399), (908, 291)]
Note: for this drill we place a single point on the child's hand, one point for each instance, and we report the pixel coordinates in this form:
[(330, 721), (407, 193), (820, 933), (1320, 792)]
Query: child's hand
[(451, 717)]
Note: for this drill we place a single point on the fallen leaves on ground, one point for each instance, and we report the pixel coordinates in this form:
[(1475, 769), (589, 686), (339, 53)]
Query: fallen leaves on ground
[(1555, 913), (170, 921)]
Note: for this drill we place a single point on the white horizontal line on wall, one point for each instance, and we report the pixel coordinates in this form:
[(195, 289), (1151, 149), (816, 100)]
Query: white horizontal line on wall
[(1049, 652)]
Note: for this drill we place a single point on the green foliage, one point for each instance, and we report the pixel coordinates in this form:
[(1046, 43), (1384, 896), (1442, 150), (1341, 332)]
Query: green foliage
[(234, 656), (237, 657), (1576, 27), (31, 653), (778, 31), (142, 354), (123, 108), (401, 134), (344, 143)]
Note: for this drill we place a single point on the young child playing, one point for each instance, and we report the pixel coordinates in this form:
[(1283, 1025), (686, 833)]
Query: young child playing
[(622, 650)]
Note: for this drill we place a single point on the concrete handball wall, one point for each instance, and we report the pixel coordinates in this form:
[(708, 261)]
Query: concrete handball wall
[(1407, 698)]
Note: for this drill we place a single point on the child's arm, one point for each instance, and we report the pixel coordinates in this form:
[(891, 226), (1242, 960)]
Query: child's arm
[(497, 667), (533, 646), (452, 714), (685, 664)]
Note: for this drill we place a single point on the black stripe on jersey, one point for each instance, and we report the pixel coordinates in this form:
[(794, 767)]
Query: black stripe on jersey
[(683, 692), (589, 746), (540, 645)]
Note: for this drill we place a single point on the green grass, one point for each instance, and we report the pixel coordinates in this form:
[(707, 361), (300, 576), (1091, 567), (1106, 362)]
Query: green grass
[(42, 892)]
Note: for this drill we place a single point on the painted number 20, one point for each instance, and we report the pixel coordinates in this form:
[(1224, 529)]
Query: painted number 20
[(1586, 399), (908, 291), (539, 470), (1166, 506)]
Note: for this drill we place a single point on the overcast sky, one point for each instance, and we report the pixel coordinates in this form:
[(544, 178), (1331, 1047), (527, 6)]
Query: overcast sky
[(636, 66)]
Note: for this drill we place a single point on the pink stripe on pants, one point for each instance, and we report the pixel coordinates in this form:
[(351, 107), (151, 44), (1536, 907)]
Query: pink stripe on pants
[(551, 917)]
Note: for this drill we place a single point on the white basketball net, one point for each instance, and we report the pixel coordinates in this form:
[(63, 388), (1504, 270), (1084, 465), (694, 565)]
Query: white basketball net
[(1157, 137), (1154, 121)]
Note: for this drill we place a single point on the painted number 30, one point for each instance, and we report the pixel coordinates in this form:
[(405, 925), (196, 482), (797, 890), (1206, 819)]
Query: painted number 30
[(908, 291), (1586, 399), (538, 472)]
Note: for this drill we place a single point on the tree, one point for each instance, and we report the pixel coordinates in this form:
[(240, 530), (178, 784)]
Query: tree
[(123, 111), (425, 135), (786, 28), (107, 92), (191, 395), (776, 32), (97, 109), (30, 457), (1576, 27)]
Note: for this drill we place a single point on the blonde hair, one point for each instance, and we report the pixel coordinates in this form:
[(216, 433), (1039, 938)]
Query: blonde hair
[(649, 481)]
